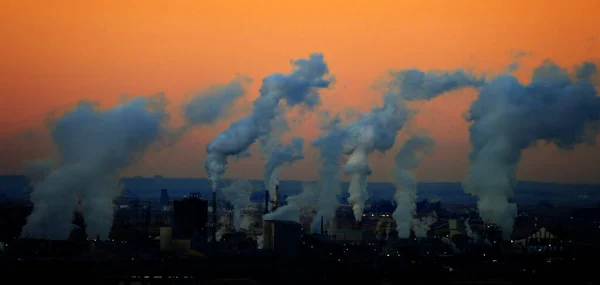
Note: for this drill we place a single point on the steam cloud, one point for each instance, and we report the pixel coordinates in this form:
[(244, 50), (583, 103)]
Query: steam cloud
[(295, 204), (279, 155), (377, 129), (330, 153), (94, 146), (206, 107), (508, 117), (298, 88), (407, 159), (238, 193)]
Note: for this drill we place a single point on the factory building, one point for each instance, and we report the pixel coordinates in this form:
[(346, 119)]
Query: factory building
[(282, 237), (189, 225), (190, 216), (541, 241)]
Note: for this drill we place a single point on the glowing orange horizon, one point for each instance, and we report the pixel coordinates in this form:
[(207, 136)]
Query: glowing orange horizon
[(55, 53)]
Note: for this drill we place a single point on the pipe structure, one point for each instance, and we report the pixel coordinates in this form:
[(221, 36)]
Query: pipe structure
[(267, 201), (214, 216)]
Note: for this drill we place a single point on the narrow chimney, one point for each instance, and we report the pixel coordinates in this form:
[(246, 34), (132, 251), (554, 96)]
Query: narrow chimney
[(322, 226), (267, 201), (214, 216), (276, 197)]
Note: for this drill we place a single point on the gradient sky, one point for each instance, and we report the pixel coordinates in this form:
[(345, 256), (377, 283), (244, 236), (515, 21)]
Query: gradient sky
[(55, 53)]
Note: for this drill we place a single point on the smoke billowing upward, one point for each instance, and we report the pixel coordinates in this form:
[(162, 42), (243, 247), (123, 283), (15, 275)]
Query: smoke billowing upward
[(468, 230), (422, 225), (94, 146), (298, 88), (295, 204), (407, 159), (375, 130), (330, 155), (508, 117), (279, 155), (206, 107), (238, 194)]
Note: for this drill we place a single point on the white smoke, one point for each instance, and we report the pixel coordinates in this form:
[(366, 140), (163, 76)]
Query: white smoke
[(260, 241), (358, 168), (469, 231), (238, 193), (94, 147), (295, 204), (246, 222), (407, 159), (422, 226), (330, 154)]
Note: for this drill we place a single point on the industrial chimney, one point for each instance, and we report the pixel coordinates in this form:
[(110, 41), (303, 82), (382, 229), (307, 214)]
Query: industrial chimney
[(322, 226), (276, 197), (267, 201), (214, 216)]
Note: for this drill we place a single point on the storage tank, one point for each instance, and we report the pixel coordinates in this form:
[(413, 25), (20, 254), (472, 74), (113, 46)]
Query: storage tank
[(166, 238)]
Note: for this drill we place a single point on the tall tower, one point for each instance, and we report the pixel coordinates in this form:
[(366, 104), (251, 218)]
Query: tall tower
[(276, 196)]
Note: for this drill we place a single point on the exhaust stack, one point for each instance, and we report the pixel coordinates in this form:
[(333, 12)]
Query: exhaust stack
[(322, 227), (267, 198), (276, 197), (214, 216)]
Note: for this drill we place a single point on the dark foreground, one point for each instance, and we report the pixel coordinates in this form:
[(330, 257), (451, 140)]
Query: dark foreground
[(261, 270)]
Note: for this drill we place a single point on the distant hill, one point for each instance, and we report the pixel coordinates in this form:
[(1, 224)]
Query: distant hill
[(527, 192)]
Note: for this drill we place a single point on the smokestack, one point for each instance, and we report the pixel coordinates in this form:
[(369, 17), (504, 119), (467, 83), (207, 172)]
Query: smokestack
[(276, 197), (266, 201), (322, 225), (214, 216)]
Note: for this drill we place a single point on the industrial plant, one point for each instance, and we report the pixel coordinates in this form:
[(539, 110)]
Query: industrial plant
[(188, 240)]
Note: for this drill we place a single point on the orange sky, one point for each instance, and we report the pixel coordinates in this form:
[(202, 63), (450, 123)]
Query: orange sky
[(54, 53)]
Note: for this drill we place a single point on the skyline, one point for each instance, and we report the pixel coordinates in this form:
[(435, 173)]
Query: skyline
[(61, 74)]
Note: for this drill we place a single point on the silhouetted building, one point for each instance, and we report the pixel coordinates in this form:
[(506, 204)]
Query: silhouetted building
[(12, 220), (282, 237), (190, 217)]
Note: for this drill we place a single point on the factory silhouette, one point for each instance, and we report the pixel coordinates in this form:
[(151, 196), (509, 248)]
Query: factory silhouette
[(72, 215)]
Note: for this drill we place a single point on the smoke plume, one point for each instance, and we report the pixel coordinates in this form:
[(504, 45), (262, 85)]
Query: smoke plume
[(375, 130), (260, 241), (421, 226), (330, 155), (295, 204), (279, 155), (94, 146), (407, 159), (238, 194), (413, 84), (247, 222), (298, 88), (468, 230), (206, 107), (508, 117)]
